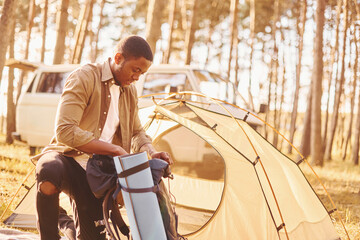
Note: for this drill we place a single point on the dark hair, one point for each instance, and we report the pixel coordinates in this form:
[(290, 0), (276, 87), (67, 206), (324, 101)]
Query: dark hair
[(134, 46)]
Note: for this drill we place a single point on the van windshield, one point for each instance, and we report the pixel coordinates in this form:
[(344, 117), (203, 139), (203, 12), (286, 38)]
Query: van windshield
[(213, 85)]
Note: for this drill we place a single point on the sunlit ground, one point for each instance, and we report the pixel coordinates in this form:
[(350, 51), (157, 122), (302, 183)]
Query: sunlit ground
[(341, 179)]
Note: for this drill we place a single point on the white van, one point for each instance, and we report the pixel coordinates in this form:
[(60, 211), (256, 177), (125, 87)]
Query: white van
[(36, 109)]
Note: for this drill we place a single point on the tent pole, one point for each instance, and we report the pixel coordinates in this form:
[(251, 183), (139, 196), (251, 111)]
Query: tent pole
[(16, 193)]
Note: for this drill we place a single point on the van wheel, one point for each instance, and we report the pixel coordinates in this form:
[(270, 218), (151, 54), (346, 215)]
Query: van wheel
[(33, 150)]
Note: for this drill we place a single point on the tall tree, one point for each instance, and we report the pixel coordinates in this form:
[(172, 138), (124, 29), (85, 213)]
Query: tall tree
[(339, 89), (333, 59), (233, 32), (153, 22), (252, 39), (6, 21), (10, 115), (306, 131), (316, 86), (190, 32), (82, 31), (300, 26), (352, 96), (172, 8), (44, 27), (355, 148), (30, 24), (95, 50), (273, 64), (216, 7), (61, 29), (283, 83)]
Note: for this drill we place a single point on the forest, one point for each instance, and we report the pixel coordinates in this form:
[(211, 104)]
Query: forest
[(296, 58), (295, 62)]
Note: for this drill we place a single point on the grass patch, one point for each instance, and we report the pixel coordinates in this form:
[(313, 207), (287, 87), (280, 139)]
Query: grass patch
[(341, 179)]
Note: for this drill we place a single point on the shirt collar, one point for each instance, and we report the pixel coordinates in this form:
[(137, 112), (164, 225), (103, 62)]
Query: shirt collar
[(106, 71), (107, 74)]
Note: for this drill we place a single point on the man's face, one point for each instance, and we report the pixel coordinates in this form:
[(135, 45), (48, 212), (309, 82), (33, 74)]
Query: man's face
[(127, 71)]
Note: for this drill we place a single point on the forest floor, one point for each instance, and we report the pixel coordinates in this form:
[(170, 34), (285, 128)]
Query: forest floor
[(340, 178)]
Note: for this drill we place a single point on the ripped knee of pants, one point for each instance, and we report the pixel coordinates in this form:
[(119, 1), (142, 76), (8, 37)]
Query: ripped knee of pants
[(48, 188)]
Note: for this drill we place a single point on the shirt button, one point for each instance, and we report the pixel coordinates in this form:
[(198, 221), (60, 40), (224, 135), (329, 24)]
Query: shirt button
[(112, 81), (106, 83), (109, 96), (99, 129), (104, 112)]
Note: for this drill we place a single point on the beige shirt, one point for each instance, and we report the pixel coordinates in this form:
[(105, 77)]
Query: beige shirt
[(83, 109)]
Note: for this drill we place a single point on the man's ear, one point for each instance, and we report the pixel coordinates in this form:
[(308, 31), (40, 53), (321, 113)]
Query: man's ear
[(118, 58)]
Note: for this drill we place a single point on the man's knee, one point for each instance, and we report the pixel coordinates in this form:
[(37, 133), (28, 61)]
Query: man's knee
[(49, 173), (48, 188)]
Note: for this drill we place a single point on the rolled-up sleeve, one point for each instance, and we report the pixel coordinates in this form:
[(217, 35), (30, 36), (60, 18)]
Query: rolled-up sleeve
[(73, 101)]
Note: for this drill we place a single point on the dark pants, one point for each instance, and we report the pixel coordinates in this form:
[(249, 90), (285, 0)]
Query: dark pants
[(68, 177)]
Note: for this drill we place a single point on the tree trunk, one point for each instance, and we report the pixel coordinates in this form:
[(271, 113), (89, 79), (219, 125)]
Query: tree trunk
[(301, 31), (184, 20), (267, 114), (333, 54), (82, 31), (44, 26), (352, 97), (217, 5), (339, 90), (172, 9), (236, 80), (30, 25), (355, 147), (252, 39), (153, 23), (233, 31), (6, 21), (209, 43), (10, 115), (61, 29), (317, 75), (95, 50), (306, 132), (190, 33), (283, 82), (85, 32)]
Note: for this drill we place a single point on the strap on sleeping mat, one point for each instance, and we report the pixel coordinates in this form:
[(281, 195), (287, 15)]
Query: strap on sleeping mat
[(153, 189), (134, 170)]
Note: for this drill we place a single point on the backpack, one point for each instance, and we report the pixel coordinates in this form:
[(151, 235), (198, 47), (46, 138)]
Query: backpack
[(102, 179)]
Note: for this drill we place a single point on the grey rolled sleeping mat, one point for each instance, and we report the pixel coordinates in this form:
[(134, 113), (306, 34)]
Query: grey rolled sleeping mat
[(147, 203)]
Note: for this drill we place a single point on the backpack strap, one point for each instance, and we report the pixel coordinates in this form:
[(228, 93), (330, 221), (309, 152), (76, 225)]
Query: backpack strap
[(117, 221)]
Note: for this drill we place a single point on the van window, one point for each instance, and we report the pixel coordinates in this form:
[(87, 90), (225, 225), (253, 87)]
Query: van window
[(166, 82), (52, 82)]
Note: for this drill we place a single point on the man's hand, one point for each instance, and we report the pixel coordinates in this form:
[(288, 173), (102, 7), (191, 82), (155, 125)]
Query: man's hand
[(162, 155), (155, 154)]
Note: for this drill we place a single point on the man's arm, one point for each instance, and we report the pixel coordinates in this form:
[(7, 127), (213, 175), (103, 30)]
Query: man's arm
[(103, 148)]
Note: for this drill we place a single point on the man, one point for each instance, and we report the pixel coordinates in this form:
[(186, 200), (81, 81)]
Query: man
[(97, 114)]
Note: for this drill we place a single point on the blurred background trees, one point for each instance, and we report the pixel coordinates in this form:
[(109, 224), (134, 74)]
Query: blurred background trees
[(299, 58)]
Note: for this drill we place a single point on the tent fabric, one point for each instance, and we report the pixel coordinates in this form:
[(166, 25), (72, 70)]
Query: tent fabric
[(24, 215), (241, 203), (247, 199)]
